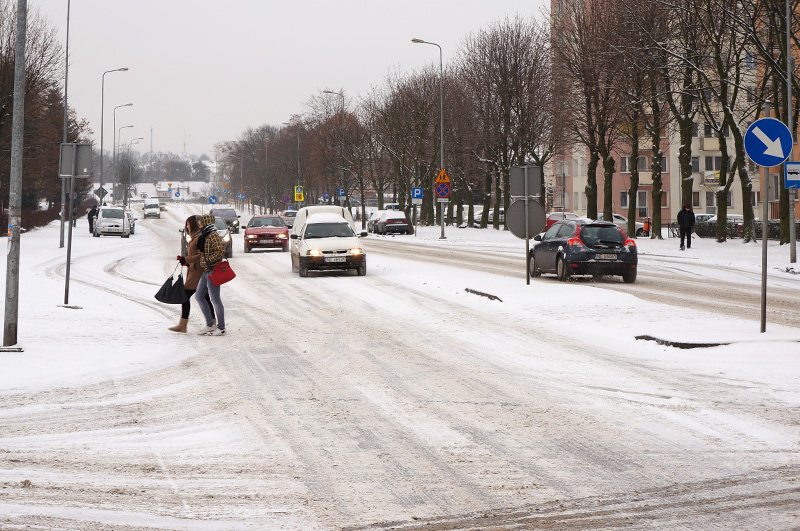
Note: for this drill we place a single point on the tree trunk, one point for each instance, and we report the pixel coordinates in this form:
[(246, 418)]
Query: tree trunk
[(634, 186), (498, 201), (591, 185), (608, 181), (487, 200)]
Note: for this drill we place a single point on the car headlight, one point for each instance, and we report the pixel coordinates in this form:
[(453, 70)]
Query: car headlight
[(227, 238), (282, 236), (188, 238), (356, 251), (235, 221), (314, 252), (251, 236)]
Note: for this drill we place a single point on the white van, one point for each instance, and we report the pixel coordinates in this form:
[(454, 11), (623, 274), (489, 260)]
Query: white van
[(326, 241), (305, 212)]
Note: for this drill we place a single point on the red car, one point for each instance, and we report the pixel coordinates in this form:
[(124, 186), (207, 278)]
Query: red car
[(555, 217), (266, 232)]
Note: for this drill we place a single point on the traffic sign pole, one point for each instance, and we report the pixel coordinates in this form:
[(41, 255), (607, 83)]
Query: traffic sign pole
[(764, 238)]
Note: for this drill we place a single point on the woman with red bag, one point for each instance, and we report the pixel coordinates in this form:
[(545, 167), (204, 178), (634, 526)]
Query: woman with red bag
[(193, 271), (212, 252)]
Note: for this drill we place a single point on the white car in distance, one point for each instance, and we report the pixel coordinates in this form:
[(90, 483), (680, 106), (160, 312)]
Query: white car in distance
[(112, 221), (325, 242)]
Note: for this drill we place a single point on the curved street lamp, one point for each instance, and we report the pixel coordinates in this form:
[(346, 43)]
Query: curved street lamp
[(102, 120), (341, 135), (114, 133), (441, 118)]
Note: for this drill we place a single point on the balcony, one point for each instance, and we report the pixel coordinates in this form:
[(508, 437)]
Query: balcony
[(709, 144)]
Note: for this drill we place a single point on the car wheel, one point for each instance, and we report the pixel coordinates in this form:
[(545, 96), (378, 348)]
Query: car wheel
[(629, 277), (562, 269), (303, 271), (246, 249), (362, 270), (535, 272), (639, 233), (285, 248), (96, 234)]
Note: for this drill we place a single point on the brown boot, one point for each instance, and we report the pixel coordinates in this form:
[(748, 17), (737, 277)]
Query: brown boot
[(181, 326)]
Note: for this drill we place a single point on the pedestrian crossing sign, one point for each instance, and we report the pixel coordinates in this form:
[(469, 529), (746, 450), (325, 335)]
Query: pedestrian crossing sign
[(298, 194)]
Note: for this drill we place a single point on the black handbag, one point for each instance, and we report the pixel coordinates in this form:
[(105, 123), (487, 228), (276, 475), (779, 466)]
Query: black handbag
[(172, 292)]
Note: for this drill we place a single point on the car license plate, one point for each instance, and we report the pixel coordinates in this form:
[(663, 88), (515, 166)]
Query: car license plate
[(606, 257), (266, 241), (336, 259)]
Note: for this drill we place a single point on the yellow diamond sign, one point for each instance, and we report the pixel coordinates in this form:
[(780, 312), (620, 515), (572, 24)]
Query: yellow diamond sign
[(442, 177)]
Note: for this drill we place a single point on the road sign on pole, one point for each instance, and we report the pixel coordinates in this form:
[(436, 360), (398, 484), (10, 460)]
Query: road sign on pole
[(443, 192), (285, 199), (177, 194), (212, 199), (792, 179), (340, 192), (326, 196), (298, 194), (416, 196), (442, 177), (521, 177), (768, 142), (83, 166)]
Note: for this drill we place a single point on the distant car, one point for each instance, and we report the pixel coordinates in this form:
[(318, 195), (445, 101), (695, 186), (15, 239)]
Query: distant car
[(151, 208), (373, 217), (327, 241), (732, 219), (162, 205), (703, 217), (584, 247), (229, 216), (622, 222), (266, 232), (391, 206), (554, 217), (288, 217), (222, 230), (112, 221), (132, 220), (392, 221)]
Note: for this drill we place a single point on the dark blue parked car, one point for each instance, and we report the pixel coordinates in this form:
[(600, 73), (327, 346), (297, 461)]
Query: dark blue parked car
[(584, 247)]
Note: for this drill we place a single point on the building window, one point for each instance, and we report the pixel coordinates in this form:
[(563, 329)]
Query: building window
[(730, 199), (714, 164), (575, 199), (644, 163), (711, 200), (708, 132), (664, 198), (624, 164), (750, 60), (665, 164), (695, 199), (755, 198), (641, 204), (695, 164), (623, 199), (695, 129)]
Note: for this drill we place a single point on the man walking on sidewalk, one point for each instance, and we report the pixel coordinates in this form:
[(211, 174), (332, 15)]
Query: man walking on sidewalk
[(686, 223)]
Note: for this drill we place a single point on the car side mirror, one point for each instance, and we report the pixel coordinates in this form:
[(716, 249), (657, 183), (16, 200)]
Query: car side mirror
[(364, 234), (180, 230), (244, 226), (295, 237), (238, 216), (538, 237)]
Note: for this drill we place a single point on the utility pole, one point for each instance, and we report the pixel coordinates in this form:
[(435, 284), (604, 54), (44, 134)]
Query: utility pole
[(789, 78), (64, 135), (266, 174), (15, 185)]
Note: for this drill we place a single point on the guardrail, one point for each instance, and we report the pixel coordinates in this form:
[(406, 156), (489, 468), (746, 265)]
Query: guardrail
[(708, 229)]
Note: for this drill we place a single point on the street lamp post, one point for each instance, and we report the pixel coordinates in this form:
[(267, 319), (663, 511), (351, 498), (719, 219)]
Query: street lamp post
[(297, 130), (130, 174), (341, 135), (114, 131), (64, 133), (102, 121), (441, 119), (117, 140)]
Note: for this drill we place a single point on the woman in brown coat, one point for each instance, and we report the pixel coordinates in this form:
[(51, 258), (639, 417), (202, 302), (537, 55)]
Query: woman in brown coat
[(194, 270)]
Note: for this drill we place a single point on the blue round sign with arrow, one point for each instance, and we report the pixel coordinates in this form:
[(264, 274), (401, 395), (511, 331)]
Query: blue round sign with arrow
[(768, 142), (212, 199), (177, 194)]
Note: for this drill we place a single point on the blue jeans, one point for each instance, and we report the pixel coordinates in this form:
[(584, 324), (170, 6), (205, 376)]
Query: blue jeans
[(205, 286)]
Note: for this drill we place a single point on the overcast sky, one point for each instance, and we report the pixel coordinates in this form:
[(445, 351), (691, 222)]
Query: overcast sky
[(204, 70)]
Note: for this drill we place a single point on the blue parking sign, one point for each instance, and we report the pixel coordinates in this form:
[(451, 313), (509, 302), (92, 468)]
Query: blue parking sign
[(340, 192), (416, 193)]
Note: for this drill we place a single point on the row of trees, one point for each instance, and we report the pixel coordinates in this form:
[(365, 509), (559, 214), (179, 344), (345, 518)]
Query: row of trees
[(634, 71), (499, 111), (44, 109), (605, 76)]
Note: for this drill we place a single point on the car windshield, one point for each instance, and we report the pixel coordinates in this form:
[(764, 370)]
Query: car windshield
[(289, 214), (151, 205), (224, 213), (602, 235), (111, 213), (266, 222), (329, 230), (220, 224)]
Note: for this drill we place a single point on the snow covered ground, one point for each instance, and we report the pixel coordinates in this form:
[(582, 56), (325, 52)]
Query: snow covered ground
[(339, 400)]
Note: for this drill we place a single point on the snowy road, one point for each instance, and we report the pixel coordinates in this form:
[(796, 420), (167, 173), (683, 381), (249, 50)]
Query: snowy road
[(398, 400)]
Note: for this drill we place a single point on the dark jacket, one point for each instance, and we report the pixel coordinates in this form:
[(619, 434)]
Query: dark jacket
[(685, 219), (209, 244), (92, 213)]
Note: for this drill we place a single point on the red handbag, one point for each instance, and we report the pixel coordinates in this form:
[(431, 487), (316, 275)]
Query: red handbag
[(222, 273)]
